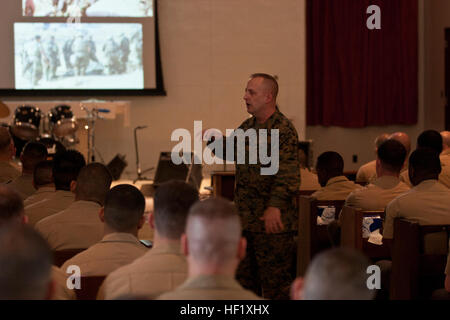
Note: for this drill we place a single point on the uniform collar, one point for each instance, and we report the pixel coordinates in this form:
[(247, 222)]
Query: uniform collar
[(336, 180), (211, 281), (120, 237)]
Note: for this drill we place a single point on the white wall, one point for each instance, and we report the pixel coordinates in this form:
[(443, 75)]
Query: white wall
[(208, 49)]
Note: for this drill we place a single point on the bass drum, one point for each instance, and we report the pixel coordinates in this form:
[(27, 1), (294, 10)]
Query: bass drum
[(62, 121), (26, 122)]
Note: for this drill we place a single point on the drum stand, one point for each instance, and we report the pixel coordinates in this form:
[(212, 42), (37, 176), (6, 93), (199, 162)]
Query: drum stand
[(139, 172), (92, 116)]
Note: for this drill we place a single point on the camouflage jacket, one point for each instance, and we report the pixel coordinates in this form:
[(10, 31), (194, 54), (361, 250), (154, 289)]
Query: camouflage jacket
[(255, 192)]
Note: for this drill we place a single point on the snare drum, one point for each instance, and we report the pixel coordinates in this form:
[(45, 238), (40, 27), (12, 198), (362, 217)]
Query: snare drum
[(62, 121), (26, 122)]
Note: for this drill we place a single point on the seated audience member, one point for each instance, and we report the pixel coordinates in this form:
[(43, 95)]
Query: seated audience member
[(42, 182), (8, 171), (444, 178), (78, 226), (434, 140), (12, 212), (164, 267), (335, 274), (123, 216), (390, 160), (309, 180), (25, 264), (404, 139), (32, 154), (335, 186), (214, 246), (66, 166), (367, 172), (428, 202)]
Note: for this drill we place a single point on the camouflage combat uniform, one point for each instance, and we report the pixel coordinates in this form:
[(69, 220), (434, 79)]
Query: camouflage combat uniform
[(270, 261)]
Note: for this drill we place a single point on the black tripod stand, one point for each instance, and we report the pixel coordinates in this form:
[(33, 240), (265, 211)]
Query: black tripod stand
[(139, 172)]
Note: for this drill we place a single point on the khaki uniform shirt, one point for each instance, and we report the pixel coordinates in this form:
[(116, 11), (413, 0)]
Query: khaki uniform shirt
[(427, 203), (62, 292), (160, 270), (377, 195), (337, 188), (42, 193), (113, 251), (210, 287), (8, 172), (23, 185), (367, 173), (57, 202), (76, 227), (309, 180)]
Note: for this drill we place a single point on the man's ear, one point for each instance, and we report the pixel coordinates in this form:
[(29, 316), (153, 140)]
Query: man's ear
[(25, 219), (297, 289), (141, 222), (242, 248), (151, 220), (184, 244), (73, 186), (51, 289), (101, 214)]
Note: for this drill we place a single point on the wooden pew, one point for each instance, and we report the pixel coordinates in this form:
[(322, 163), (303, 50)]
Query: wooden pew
[(311, 237), (416, 273), (352, 236), (89, 287), (61, 256)]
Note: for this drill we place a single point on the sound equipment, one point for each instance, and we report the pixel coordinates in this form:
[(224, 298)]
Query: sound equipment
[(116, 166), (167, 170)]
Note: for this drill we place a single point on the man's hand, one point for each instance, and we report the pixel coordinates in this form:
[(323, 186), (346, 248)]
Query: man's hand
[(272, 220)]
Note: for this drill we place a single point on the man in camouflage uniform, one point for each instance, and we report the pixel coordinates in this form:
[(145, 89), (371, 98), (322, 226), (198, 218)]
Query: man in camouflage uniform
[(81, 55), (266, 203), (53, 59)]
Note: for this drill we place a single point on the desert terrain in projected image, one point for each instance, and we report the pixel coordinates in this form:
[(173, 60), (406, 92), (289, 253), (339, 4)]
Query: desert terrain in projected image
[(78, 56), (87, 8)]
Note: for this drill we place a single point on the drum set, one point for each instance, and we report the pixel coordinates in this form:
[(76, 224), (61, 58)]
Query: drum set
[(55, 129)]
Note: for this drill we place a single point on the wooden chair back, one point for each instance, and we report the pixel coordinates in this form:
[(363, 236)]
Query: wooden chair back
[(416, 273), (89, 287), (352, 236), (312, 238), (61, 256)]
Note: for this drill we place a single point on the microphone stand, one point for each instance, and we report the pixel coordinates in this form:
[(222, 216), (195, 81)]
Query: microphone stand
[(139, 172)]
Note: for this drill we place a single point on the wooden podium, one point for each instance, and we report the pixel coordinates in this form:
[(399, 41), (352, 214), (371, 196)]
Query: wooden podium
[(223, 184)]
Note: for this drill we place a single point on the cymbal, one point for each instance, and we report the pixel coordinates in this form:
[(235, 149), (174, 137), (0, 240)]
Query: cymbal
[(93, 101), (4, 110)]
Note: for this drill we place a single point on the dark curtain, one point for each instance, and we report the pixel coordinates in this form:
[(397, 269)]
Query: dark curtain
[(358, 77)]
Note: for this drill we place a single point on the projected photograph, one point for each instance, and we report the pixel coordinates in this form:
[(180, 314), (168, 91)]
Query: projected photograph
[(78, 56), (87, 8)]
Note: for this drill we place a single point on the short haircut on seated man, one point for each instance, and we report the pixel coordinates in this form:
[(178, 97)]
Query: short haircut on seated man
[(337, 274), (11, 205), (93, 183), (66, 167), (430, 139), (32, 153), (42, 174), (392, 155), (124, 207), (26, 264), (331, 162), (424, 163), (213, 231), (172, 201)]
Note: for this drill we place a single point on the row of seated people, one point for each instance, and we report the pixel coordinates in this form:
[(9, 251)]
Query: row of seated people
[(78, 225), (427, 202), (195, 255)]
